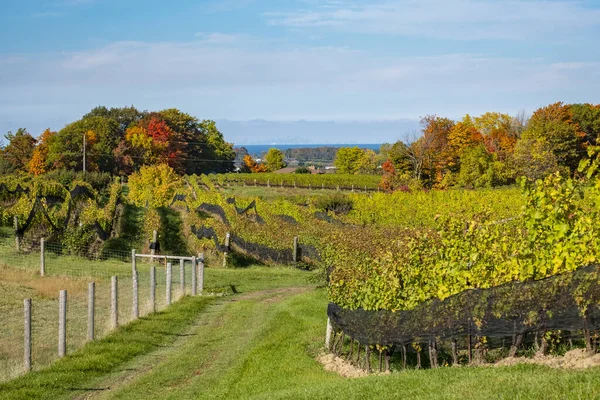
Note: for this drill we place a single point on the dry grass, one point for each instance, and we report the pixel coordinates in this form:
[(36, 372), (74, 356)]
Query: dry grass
[(47, 287)]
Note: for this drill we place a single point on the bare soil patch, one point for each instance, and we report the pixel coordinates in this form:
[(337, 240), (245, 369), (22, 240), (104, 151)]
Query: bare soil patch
[(574, 359), (340, 366)]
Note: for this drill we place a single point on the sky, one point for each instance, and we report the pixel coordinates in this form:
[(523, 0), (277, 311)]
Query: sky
[(323, 65)]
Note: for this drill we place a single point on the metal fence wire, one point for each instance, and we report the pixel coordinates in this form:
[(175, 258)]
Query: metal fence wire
[(40, 271)]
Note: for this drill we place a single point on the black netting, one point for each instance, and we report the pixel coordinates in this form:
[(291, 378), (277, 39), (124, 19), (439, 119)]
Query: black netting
[(569, 302), (261, 252), (215, 211), (207, 233), (240, 211), (182, 198), (323, 216)]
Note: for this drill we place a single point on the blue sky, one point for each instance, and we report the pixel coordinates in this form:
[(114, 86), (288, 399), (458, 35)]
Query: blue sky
[(284, 61)]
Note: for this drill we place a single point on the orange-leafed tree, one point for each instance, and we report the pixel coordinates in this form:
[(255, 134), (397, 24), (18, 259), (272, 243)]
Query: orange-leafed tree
[(498, 133), (435, 148), (253, 166), (39, 160)]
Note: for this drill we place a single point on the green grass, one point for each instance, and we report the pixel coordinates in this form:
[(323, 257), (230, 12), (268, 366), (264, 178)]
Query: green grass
[(73, 374), (263, 346)]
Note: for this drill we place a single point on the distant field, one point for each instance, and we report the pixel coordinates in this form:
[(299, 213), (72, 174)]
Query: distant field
[(314, 181)]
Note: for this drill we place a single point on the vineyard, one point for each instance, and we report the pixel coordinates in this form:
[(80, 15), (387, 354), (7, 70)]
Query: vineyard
[(307, 181), (400, 268)]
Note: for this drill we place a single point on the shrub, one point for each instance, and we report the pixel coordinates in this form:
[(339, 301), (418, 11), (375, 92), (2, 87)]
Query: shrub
[(302, 170), (337, 203)]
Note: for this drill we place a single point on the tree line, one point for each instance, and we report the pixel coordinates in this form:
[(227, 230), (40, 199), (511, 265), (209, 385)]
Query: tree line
[(488, 150), (120, 141)]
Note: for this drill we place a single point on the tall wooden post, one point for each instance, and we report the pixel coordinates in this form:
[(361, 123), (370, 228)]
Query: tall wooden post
[(226, 252), (133, 261), (194, 277), (201, 272), (135, 308), (114, 303), (153, 289), (27, 335), (17, 241), (181, 277), (62, 323), (42, 257), (295, 253)]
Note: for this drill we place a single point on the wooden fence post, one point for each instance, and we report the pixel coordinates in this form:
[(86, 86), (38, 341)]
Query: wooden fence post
[(133, 261), (27, 335), (17, 241), (169, 278), (181, 278), (328, 334), (135, 308), (194, 277), (226, 252), (201, 272), (42, 257), (91, 310), (153, 289), (295, 249), (62, 323), (114, 303)]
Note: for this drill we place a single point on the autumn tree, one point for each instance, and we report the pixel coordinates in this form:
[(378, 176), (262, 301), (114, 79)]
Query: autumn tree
[(587, 118), (347, 159), (534, 158), (274, 159), (555, 125), (252, 166), (19, 150), (153, 185), (498, 132), (367, 163), (39, 160)]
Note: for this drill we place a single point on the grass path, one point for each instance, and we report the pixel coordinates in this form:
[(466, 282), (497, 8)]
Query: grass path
[(226, 330)]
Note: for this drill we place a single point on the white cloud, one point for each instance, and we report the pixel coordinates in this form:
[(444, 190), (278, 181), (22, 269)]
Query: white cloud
[(244, 82), (457, 19)]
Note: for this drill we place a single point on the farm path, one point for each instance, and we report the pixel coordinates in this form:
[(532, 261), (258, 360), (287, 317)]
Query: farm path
[(224, 328)]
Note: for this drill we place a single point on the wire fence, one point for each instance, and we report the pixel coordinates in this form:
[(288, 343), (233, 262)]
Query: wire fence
[(72, 269)]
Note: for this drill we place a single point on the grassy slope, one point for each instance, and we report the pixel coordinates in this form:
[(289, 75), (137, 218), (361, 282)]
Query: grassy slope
[(273, 358), (262, 346), (82, 370)]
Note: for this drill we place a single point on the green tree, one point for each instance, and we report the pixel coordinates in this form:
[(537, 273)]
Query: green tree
[(476, 168), (534, 158), (367, 163), (65, 149), (587, 117), (154, 185), (218, 152), (274, 159), (554, 123), (20, 149), (347, 160)]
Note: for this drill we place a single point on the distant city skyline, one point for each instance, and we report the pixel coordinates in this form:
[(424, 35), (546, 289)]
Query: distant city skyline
[(294, 62)]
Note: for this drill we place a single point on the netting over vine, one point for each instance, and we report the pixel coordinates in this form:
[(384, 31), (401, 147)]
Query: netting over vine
[(567, 302)]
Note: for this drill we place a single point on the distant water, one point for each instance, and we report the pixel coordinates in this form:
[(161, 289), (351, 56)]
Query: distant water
[(258, 149)]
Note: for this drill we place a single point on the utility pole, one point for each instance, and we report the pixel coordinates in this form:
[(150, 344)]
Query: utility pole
[(84, 153)]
